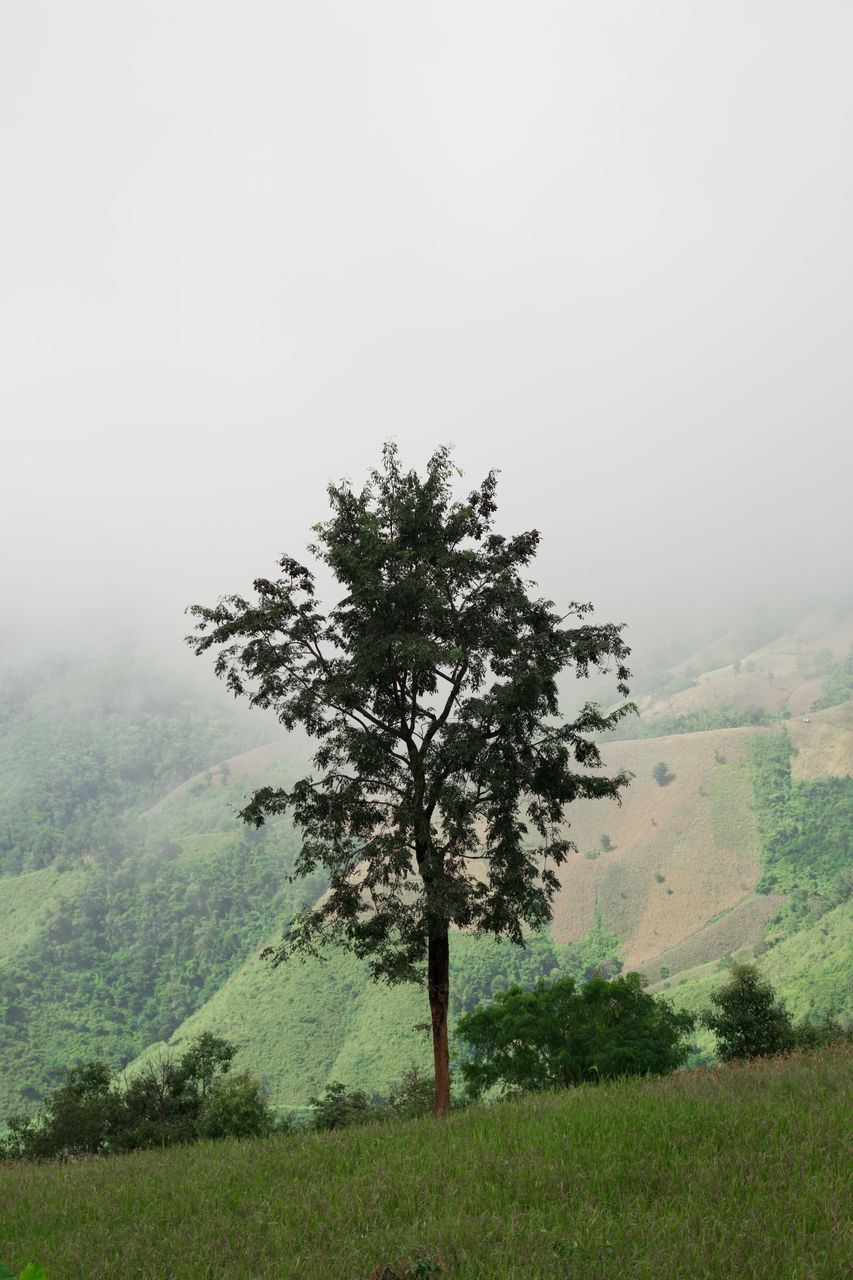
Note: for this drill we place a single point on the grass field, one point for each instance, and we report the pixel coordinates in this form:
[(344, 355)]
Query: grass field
[(737, 1173)]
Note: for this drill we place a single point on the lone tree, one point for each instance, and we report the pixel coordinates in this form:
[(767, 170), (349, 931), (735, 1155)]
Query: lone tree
[(443, 767), (748, 1019)]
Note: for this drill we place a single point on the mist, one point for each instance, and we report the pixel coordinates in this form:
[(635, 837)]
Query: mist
[(603, 249)]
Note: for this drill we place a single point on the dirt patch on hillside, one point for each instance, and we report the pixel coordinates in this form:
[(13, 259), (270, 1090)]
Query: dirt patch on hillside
[(728, 933), (245, 767), (676, 860), (823, 744)]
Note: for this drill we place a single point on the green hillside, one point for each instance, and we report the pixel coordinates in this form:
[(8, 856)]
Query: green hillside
[(133, 923), (134, 904)]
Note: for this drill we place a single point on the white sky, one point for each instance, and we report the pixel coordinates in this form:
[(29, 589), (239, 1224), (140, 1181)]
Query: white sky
[(604, 247)]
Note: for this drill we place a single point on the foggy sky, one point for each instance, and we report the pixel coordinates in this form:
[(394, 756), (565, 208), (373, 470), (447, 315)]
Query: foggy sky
[(602, 247)]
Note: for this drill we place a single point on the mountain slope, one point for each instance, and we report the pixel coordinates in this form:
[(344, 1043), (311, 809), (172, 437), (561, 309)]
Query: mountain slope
[(135, 904)]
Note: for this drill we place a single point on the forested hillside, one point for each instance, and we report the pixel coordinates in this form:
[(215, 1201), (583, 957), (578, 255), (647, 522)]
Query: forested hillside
[(115, 927), (134, 903)]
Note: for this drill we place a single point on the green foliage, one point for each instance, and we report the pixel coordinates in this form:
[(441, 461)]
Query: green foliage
[(747, 1020), (750, 1021), (661, 774), (85, 742), (32, 1271), (412, 1095), (721, 716), (564, 1035), (338, 1108), (151, 915), (235, 1108), (598, 952), (171, 1100), (805, 834), (839, 685), (636, 1178), (482, 966), (419, 1266), (605, 842), (431, 690), (141, 944)]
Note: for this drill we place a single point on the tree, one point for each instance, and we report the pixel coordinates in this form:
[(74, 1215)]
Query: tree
[(235, 1107), (338, 1108), (748, 1020), (443, 770), (205, 1056), (80, 1115), (661, 774), (564, 1034)]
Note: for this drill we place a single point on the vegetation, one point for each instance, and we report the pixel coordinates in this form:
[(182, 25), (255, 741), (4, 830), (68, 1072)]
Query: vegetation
[(661, 774), (87, 742), (750, 1021), (562, 1035), (804, 829), (431, 689), (32, 1271), (680, 1177), (175, 1099), (839, 685), (721, 716)]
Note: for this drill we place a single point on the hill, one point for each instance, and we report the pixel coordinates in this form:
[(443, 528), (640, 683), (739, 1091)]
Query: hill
[(134, 904), (681, 1178)]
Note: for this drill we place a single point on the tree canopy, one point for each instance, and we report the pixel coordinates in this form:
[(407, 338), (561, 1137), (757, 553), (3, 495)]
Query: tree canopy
[(566, 1034), (443, 768)]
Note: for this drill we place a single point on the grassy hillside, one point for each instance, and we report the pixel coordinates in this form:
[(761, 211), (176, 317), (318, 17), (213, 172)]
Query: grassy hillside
[(738, 1171)]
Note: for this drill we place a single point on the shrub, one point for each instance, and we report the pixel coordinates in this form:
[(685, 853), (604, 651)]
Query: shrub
[(564, 1035), (235, 1107), (338, 1109)]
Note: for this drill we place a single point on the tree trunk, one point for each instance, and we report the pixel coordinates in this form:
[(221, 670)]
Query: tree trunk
[(438, 981)]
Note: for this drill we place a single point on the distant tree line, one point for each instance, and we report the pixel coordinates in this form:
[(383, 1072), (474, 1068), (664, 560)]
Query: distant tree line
[(172, 1099), (721, 716)]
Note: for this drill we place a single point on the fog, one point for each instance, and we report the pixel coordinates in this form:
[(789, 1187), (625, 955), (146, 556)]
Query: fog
[(602, 248)]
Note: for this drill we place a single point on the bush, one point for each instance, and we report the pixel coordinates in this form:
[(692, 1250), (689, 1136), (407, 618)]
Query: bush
[(235, 1107), (661, 774), (338, 1109), (413, 1095), (172, 1099), (565, 1035)]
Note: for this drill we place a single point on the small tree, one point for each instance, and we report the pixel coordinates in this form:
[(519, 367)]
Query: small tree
[(339, 1108), (661, 774), (443, 771), (235, 1107), (80, 1116), (205, 1057), (748, 1020), (564, 1035)]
